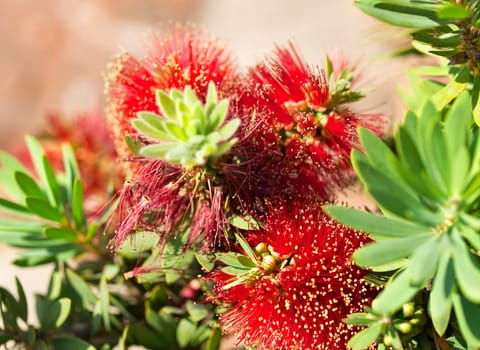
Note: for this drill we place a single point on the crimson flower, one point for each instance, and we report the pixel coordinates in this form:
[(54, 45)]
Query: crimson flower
[(306, 115), (178, 57), (300, 285)]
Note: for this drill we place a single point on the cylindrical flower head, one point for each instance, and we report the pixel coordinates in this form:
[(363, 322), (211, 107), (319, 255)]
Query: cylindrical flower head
[(315, 131), (178, 57), (302, 286)]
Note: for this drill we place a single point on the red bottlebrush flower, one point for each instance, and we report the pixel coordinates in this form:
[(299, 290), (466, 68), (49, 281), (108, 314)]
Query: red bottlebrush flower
[(167, 198), (177, 58), (94, 151), (302, 112), (302, 286)]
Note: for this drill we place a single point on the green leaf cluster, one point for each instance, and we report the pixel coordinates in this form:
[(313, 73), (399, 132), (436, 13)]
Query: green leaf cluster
[(388, 332), (43, 213), (340, 87), (52, 314), (428, 191), (189, 132)]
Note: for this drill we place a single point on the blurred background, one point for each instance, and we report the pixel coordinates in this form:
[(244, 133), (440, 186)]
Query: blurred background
[(53, 54)]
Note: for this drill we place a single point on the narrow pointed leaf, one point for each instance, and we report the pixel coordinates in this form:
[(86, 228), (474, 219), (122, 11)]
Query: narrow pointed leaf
[(166, 104), (440, 302), (374, 224), (468, 320), (388, 251), (396, 293)]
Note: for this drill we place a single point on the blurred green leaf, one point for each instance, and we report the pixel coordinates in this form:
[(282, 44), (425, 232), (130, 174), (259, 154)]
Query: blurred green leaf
[(403, 13), (105, 303), (52, 313), (397, 292), (12, 310), (443, 286), (468, 320), (12, 207), (77, 205), (28, 185), (453, 11), (22, 301), (60, 234), (138, 243), (81, 288), (214, 340), (9, 166), (364, 338), (65, 342), (196, 312), (185, 331), (43, 209)]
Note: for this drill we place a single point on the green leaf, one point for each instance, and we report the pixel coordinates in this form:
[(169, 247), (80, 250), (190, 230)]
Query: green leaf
[(388, 251), (365, 338), (163, 324), (52, 314), (196, 312), (12, 207), (22, 301), (376, 225), (60, 234), (185, 331), (229, 129), (467, 269), (55, 285), (452, 90), (396, 293), (53, 188), (214, 341), (212, 98), (392, 195), (77, 205), (8, 184), (453, 11), (49, 253), (166, 104), (138, 243), (423, 264), (28, 185), (245, 246), (81, 289), (206, 262), (156, 151), (218, 115), (65, 342), (105, 303), (71, 169), (457, 122), (11, 311), (443, 286), (403, 13), (468, 320), (145, 336), (43, 209), (244, 222), (360, 319)]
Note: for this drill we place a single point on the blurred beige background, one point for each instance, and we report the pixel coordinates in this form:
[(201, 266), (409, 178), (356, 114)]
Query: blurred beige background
[(53, 53)]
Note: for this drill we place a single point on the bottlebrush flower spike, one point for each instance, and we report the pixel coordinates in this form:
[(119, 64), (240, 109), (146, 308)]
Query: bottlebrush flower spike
[(294, 288), (313, 128), (182, 181), (179, 57)]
